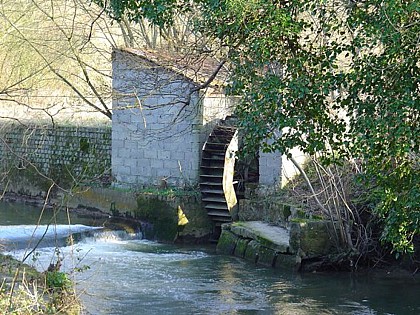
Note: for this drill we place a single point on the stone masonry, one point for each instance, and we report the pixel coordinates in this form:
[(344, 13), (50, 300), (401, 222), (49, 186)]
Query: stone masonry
[(160, 122), (162, 117), (80, 152)]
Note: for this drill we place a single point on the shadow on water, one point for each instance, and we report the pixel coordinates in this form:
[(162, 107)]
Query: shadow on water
[(129, 275)]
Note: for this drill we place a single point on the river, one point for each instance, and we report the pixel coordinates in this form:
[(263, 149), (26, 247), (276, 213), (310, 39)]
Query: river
[(124, 274)]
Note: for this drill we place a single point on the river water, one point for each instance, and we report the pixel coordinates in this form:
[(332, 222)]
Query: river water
[(123, 274)]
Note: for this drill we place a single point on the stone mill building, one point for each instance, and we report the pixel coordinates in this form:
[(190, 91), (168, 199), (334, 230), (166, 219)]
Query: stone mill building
[(172, 126)]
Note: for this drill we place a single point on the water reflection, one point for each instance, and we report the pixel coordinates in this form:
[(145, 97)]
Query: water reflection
[(344, 293)]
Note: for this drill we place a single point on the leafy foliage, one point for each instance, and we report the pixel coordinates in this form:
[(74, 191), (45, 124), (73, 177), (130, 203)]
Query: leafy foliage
[(159, 12), (338, 79), (58, 280)]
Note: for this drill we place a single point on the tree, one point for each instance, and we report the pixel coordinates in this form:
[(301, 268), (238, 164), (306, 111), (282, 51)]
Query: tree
[(57, 55), (350, 91), (338, 79)]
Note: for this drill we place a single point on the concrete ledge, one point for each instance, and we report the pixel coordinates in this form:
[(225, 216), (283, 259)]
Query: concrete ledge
[(227, 243), (270, 236), (258, 242), (241, 246), (275, 246), (252, 251)]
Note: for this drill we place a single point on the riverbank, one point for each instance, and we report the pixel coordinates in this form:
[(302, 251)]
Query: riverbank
[(305, 246), (25, 291), (13, 270), (131, 274), (312, 243)]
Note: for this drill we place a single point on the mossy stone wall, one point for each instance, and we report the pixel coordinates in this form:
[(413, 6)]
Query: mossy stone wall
[(173, 218), (166, 215), (314, 238), (307, 240), (34, 156), (270, 209)]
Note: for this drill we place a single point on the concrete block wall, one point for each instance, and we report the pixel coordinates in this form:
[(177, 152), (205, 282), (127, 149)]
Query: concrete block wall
[(276, 170), (81, 152), (215, 106), (270, 168), (159, 124)]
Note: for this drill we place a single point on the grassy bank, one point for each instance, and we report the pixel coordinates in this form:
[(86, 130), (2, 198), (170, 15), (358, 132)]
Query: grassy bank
[(25, 291)]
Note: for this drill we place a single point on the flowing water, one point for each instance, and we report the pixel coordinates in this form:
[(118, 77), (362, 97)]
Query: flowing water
[(124, 274)]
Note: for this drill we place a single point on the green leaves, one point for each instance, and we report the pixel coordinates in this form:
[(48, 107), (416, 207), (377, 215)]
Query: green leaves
[(57, 280), (347, 88), (336, 79), (158, 12)]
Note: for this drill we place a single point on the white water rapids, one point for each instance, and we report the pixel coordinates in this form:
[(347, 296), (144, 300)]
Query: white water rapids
[(27, 236)]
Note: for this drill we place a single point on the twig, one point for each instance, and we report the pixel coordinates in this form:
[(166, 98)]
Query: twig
[(296, 164)]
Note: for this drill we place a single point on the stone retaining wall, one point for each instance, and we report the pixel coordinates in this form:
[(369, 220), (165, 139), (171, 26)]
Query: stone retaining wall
[(66, 154), (168, 215), (278, 247)]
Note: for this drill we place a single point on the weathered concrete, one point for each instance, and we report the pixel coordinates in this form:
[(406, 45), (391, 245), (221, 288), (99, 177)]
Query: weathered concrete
[(275, 246), (241, 246), (273, 237), (268, 208), (165, 215), (170, 217), (313, 238), (160, 120), (227, 243), (104, 199), (257, 242)]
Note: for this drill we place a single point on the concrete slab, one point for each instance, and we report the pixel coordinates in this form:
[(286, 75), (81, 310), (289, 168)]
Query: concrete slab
[(274, 237)]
